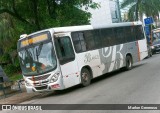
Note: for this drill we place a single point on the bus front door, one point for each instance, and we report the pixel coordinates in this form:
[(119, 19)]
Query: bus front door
[(68, 64)]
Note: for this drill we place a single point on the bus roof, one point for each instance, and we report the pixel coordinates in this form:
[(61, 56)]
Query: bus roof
[(90, 27), (84, 27)]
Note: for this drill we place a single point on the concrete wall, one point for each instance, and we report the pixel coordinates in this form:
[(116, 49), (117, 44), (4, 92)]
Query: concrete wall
[(114, 11), (102, 14), (107, 13)]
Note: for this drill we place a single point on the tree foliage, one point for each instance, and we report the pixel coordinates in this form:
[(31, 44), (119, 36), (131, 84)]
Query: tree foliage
[(39, 14), (147, 7), (26, 16)]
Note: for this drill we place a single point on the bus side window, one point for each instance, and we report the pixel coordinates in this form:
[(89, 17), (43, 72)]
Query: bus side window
[(78, 41), (89, 37), (139, 33), (119, 35), (107, 37), (129, 34), (97, 39)]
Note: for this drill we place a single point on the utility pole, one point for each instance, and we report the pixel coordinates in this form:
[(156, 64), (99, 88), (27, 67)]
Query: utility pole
[(119, 11)]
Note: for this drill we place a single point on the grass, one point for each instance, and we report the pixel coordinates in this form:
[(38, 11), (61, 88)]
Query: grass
[(16, 76)]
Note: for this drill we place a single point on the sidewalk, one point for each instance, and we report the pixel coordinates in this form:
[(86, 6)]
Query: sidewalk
[(18, 97)]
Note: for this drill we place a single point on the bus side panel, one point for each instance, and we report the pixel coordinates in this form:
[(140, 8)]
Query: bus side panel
[(91, 59), (70, 74), (132, 48), (113, 57), (108, 59), (103, 60)]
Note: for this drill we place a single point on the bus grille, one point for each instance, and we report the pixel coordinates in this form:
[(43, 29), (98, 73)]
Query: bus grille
[(41, 83), (41, 88)]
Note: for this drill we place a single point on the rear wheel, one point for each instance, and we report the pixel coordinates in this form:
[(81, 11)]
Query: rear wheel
[(129, 63), (85, 77)]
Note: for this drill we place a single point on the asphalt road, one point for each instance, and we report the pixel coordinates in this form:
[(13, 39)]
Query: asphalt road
[(141, 85)]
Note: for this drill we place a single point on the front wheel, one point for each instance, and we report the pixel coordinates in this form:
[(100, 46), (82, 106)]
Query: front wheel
[(85, 77), (129, 63)]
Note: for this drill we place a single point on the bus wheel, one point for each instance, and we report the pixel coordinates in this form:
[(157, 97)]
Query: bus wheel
[(129, 62), (85, 77)]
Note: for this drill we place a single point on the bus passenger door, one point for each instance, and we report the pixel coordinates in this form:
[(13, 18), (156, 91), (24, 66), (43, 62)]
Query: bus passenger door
[(132, 47), (142, 43), (68, 64)]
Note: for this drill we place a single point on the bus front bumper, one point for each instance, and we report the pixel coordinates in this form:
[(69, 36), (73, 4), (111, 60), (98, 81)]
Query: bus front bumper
[(44, 88)]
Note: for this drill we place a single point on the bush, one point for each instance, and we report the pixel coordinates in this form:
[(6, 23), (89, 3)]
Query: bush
[(10, 69), (17, 64), (5, 58)]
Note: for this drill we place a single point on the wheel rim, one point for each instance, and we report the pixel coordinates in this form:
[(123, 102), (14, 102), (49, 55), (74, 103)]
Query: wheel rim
[(85, 77)]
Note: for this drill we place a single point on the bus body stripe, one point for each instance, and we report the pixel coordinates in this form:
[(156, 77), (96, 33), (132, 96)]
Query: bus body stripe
[(139, 57)]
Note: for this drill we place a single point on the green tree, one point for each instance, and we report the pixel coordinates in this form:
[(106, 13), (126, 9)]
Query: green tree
[(8, 39), (26, 16), (40, 14), (7, 33), (139, 7)]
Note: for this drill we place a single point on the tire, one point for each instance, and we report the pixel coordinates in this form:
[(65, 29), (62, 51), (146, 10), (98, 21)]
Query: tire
[(85, 77), (129, 63)]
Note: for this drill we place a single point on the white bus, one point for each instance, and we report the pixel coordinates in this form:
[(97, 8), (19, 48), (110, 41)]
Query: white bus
[(58, 58)]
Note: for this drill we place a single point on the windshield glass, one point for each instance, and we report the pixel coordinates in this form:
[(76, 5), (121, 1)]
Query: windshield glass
[(156, 38), (37, 59), (157, 41)]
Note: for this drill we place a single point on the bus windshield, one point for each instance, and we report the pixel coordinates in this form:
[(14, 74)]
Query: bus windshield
[(37, 59)]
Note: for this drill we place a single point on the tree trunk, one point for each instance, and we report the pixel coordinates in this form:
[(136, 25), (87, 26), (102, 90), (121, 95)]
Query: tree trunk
[(137, 8), (141, 17), (35, 9)]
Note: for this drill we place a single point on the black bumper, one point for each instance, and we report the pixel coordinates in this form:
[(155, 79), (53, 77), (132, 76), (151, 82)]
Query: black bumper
[(156, 49)]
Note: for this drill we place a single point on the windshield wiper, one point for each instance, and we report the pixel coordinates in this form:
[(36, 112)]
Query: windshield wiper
[(38, 51)]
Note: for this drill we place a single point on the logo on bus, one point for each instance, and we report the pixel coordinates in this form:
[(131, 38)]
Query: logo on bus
[(89, 57), (113, 52)]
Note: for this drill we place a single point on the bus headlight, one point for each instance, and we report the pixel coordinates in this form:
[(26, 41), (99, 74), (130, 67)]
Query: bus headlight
[(54, 77)]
